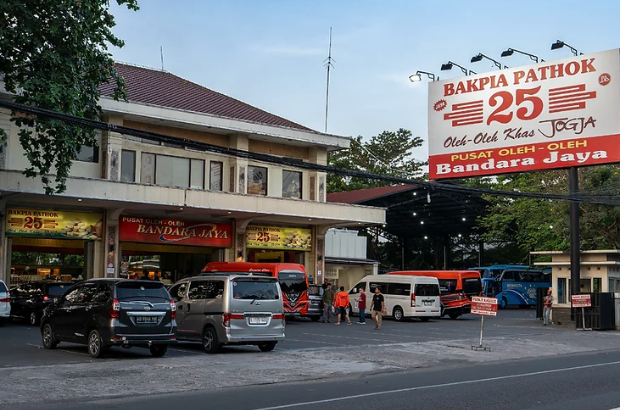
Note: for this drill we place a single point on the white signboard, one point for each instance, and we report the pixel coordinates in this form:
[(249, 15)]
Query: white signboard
[(554, 114)]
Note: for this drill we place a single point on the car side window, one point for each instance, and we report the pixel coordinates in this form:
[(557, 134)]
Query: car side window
[(206, 289), (103, 294), (72, 296), (177, 292), (89, 290)]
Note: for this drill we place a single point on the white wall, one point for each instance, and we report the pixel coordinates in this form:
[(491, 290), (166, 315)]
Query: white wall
[(342, 243)]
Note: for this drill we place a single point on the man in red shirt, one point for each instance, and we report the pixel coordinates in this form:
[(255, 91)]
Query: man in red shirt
[(361, 304)]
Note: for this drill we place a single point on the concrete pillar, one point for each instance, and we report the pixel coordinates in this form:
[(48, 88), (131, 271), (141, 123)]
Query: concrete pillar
[(112, 246), (318, 180), (5, 125), (111, 147), (239, 246), (320, 257), (238, 173)]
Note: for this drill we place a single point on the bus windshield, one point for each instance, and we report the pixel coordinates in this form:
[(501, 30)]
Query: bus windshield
[(292, 281), (472, 286)]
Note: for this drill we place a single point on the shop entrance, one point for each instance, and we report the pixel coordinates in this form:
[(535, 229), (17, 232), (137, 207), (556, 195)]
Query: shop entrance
[(168, 263), (33, 259)]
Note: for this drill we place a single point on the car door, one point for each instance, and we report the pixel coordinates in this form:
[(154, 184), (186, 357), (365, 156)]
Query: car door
[(79, 319), (195, 306), (16, 302), (63, 313), (179, 294)]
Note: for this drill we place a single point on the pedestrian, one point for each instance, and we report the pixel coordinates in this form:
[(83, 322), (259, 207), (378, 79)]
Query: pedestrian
[(361, 304), (145, 275), (342, 304), (548, 302), (328, 303), (378, 307)]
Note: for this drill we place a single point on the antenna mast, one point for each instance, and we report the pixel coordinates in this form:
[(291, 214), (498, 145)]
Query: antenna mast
[(161, 52), (329, 64)]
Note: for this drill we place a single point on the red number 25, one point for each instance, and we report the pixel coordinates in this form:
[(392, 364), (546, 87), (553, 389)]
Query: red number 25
[(507, 100)]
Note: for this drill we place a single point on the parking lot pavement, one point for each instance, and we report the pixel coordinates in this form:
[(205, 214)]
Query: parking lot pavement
[(20, 344)]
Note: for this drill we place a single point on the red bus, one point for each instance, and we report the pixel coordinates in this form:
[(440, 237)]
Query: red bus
[(457, 287), (292, 277)]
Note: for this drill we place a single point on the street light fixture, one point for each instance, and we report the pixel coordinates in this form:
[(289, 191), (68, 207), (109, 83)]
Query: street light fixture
[(417, 77), (480, 56), (559, 44), (450, 64), (511, 51)]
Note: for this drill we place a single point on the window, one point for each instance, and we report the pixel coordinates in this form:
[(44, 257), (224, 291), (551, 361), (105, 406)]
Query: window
[(178, 291), (596, 285), (373, 285), (128, 166), (147, 169), (104, 293), (2, 287), (291, 184), (172, 171), (206, 289), (398, 289), (215, 175), (257, 180), (255, 289), (292, 281), (72, 295), (130, 290), (88, 154), (57, 289), (197, 174), (510, 276), (88, 293), (561, 290), (426, 289)]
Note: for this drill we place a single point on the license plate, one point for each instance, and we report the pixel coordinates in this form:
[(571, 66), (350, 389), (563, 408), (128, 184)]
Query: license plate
[(147, 319), (258, 320)]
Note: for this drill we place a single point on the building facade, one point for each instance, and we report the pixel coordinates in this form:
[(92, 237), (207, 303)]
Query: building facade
[(133, 203), (345, 258)]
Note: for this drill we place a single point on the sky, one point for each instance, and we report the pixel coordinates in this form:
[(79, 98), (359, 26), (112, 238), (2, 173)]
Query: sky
[(270, 53)]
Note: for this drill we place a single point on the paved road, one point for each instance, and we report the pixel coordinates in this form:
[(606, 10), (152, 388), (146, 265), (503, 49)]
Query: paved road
[(579, 382), (20, 344)]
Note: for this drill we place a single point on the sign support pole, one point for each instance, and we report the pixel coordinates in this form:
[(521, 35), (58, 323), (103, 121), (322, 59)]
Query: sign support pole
[(481, 329), (573, 190), (484, 307)]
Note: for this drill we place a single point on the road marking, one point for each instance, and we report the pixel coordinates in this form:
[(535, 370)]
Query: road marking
[(435, 386)]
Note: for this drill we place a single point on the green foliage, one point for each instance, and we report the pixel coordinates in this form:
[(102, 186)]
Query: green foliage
[(53, 55), (388, 153)]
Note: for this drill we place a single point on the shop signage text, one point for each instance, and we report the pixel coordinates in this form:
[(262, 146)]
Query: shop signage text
[(154, 230), (483, 306), (54, 224), (275, 237), (581, 301), (543, 116)]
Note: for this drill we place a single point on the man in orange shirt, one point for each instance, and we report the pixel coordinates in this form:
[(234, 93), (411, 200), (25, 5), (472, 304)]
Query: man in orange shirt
[(342, 304)]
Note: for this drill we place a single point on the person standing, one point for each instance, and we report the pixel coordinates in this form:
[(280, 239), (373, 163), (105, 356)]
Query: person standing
[(361, 304), (378, 307), (145, 275), (548, 302), (342, 304), (328, 302)]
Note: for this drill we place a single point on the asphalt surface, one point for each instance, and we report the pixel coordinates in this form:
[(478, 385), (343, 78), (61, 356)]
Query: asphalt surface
[(20, 344), (578, 382)]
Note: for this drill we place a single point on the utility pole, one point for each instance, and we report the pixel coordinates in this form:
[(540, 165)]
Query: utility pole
[(161, 52), (329, 65)]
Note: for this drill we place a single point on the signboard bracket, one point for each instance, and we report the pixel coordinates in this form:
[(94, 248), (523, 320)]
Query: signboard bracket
[(480, 346)]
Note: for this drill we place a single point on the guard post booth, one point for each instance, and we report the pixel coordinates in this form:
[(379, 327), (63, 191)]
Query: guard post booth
[(599, 272)]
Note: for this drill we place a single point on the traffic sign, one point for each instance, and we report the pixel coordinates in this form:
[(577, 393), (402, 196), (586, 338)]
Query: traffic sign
[(581, 301), (484, 306)]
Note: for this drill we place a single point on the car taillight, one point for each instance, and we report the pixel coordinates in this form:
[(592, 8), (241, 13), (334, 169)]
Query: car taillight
[(173, 309), (6, 300), (280, 316), (115, 310), (412, 300), (226, 320), (46, 298)]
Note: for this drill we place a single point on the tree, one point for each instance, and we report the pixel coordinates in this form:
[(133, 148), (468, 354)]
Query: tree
[(53, 55), (388, 153)]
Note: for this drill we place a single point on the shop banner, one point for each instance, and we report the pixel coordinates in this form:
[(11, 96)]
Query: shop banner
[(172, 231), (54, 224), (275, 237), (554, 114)]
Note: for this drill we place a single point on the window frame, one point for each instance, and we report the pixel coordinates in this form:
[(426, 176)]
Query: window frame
[(95, 158), (221, 181), (266, 179), (135, 163), (301, 182)]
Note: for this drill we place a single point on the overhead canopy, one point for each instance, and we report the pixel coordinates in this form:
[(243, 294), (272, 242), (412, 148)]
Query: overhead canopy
[(415, 211)]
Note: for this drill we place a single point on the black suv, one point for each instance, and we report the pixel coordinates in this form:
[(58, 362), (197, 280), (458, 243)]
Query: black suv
[(102, 313), (28, 300)]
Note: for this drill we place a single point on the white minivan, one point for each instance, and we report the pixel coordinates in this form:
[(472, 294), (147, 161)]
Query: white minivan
[(5, 303), (405, 296)]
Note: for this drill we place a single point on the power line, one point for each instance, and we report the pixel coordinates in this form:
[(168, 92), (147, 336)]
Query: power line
[(267, 158)]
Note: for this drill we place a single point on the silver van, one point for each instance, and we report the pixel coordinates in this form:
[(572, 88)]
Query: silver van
[(229, 309)]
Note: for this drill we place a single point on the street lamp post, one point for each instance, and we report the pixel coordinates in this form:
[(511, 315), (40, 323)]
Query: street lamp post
[(417, 77), (511, 51), (450, 64), (559, 44), (480, 56)]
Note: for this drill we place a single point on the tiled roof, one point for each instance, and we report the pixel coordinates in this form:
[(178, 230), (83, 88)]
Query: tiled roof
[(155, 87), (362, 195)]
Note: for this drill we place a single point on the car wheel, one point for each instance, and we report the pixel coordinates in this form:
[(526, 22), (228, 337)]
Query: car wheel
[(95, 345), (267, 347), (158, 351), (398, 314), (425, 319), (454, 315), (33, 319), (48, 337), (209, 341), (503, 304)]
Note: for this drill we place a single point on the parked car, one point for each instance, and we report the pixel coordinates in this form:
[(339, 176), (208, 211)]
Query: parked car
[(229, 309), (102, 313), (28, 300), (315, 309), (5, 303)]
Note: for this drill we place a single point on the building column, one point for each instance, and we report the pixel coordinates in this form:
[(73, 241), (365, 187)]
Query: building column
[(318, 180), (239, 166), (111, 148), (112, 244), (320, 258), (5, 270), (240, 251)]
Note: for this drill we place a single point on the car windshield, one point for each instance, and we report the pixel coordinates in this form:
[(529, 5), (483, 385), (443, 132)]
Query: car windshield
[(472, 286), (57, 289), (255, 289), (292, 281), (315, 291), (2, 287), (141, 291)]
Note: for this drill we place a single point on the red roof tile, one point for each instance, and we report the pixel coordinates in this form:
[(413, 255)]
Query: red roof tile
[(155, 87), (362, 195)]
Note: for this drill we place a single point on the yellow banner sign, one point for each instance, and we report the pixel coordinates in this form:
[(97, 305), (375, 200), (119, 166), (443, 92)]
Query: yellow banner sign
[(54, 224), (274, 237)]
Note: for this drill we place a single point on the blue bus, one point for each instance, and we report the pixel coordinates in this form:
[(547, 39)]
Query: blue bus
[(496, 271), (516, 287)]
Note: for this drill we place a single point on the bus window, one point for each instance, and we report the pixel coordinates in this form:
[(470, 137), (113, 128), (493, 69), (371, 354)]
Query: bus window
[(509, 276), (472, 286), (398, 289)]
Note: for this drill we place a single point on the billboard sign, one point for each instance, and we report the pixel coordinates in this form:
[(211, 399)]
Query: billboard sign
[(556, 114), (174, 231), (483, 306), (275, 237), (36, 223), (581, 301)]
